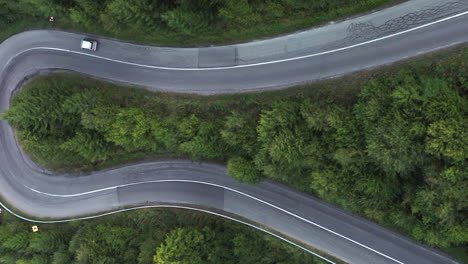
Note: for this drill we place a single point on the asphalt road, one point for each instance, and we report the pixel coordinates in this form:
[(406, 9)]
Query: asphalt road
[(229, 69)]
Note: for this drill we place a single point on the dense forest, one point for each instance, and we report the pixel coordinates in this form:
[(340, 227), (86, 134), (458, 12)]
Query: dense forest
[(395, 151), (177, 22), (144, 237)]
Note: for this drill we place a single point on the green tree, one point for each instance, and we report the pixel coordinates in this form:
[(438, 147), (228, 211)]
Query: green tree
[(392, 145), (448, 139), (192, 17), (272, 9), (244, 170), (50, 240), (87, 13), (13, 12), (84, 101), (404, 119), (185, 21), (441, 100), (392, 121), (36, 259), (100, 118), (8, 258), (186, 246), (44, 8), (165, 133), (143, 15), (131, 129), (282, 138), (16, 241), (251, 248), (62, 256), (247, 249), (39, 111), (442, 203), (89, 145), (201, 138), (147, 250), (109, 242), (239, 131), (238, 14), (329, 184)]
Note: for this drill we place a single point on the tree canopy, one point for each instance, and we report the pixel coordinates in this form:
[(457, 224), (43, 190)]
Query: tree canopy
[(396, 151), (143, 237)]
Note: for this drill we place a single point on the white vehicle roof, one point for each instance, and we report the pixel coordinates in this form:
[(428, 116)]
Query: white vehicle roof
[(85, 44)]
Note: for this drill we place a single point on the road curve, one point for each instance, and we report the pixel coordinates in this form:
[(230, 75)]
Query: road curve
[(226, 69)]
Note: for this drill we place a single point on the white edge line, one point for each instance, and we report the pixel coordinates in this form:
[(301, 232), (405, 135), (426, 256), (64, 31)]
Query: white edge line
[(253, 64), (172, 206), (229, 189), (223, 68)]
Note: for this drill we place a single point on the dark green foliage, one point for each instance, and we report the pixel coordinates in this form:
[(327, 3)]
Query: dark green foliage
[(244, 170), (238, 14), (415, 131), (200, 138), (282, 135), (246, 249), (396, 154), (391, 114), (204, 245), (85, 13), (448, 139), (89, 145), (177, 21), (190, 246), (121, 15), (192, 17), (240, 133), (135, 237), (98, 125), (42, 111), (12, 12), (131, 129), (165, 133), (18, 243), (61, 256)]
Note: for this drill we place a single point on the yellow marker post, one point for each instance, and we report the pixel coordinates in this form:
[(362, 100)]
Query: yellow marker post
[(35, 229)]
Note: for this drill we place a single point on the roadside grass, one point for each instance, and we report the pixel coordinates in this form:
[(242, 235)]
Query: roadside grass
[(217, 34)]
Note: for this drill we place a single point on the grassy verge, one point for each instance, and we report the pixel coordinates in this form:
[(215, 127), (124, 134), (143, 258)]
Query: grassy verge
[(181, 23), (400, 112)]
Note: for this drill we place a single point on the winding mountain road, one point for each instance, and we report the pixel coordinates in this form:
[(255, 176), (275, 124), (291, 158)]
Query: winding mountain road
[(406, 30)]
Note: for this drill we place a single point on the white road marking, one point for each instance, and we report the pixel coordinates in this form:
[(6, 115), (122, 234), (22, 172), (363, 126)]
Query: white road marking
[(170, 206), (253, 64), (226, 188), (224, 68)]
